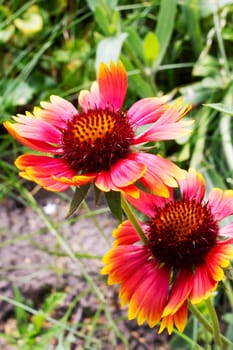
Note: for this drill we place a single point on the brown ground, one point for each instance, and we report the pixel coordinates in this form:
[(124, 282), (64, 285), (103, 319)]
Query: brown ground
[(33, 260)]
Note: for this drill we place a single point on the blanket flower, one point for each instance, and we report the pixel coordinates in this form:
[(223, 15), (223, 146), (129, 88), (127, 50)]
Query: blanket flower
[(184, 258), (99, 143)]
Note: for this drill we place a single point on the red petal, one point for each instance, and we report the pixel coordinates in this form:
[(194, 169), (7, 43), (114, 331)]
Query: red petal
[(125, 234), (112, 84), (203, 284), (193, 186), (160, 173), (104, 182), (143, 303), (126, 172), (36, 145), (180, 291), (147, 202), (36, 129), (41, 170)]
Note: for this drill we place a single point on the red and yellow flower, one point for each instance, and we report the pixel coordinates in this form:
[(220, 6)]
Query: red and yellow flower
[(99, 143), (183, 259)]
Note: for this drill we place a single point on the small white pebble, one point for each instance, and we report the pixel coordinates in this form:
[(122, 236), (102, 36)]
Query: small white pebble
[(50, 208)]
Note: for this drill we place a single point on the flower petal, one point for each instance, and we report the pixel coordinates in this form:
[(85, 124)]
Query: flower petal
[(41, 170), (36, 129), (157, 111), (57, 112), (175, 111), (127, 171), (121, 176), (226, 231), (112, 85), (36, 145), (180, 291), (104, 182), (77, 180), (167, 322), (125, 233), (170, 131), (203, 284), (160, 173), (123, 261), (126, 265), (131, 191), (218, 258), (147, 110), (167, 126), (147, 202), (90, 99), (143, 304), (221, 203), (179, 318), (193, 186)]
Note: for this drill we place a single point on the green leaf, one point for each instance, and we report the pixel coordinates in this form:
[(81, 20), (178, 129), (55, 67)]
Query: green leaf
[(102, 19), (52, 301), (38, 321), (114, 202), (97, 193), (135, 80), (151, 47), (79, 195), (134, 42), (220, 107), (20, 314), (165, 25)]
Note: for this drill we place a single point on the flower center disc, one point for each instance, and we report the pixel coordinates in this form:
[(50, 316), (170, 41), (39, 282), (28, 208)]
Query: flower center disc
[(182, 233), (96, 140)]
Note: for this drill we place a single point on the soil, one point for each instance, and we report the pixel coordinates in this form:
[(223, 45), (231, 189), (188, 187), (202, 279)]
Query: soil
[(33, 260)]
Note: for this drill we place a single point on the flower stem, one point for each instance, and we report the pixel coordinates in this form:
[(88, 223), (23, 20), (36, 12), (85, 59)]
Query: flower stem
[(226, 342), (215, 323), (132, 218)]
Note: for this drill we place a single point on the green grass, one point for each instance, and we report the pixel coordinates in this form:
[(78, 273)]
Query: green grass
[(182, 48)]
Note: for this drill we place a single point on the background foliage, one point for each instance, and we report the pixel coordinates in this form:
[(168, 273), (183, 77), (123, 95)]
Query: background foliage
[(180, 48)]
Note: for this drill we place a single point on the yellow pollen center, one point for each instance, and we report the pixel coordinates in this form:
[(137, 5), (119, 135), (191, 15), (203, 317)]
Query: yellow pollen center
[(90, 129)]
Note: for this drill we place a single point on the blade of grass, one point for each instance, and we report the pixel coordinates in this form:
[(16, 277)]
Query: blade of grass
[(218, 28), (164, 28), (191, 12)]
